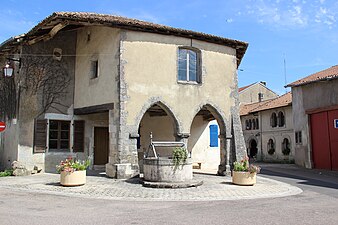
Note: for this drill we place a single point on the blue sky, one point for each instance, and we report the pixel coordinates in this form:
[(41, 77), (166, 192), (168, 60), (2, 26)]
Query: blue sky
[(302, 32)]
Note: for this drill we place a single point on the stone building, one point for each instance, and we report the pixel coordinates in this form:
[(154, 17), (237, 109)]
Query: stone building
[(255, 92), (268, 129), (123, 78), (315, 115)]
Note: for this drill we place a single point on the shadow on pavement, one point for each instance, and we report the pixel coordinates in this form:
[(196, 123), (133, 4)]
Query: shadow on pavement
[(310, 177)]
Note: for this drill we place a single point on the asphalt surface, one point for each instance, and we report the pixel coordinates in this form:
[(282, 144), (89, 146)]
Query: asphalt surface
[(317, 204)]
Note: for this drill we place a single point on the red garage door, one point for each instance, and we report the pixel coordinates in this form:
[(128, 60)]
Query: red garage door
[(324, 137)]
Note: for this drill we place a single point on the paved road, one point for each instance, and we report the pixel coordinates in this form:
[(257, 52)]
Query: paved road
[(317, 204)]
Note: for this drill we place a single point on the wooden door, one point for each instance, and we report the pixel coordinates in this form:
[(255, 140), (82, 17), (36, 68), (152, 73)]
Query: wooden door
[(101, 145)]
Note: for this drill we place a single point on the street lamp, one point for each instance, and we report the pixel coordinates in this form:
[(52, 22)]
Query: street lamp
[(8, 70)]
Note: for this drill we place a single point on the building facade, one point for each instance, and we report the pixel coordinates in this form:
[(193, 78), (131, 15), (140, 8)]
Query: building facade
[(268, 129), (112, 81), (315, 104)]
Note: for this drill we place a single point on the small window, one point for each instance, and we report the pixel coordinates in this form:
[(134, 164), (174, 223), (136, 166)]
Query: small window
[(188, 65), (281, 119), (254, 124), (213, 135), (247, 125), (94, 69), (298, 137), (273, 120), (59, 135), (257, 123), (271, 147)]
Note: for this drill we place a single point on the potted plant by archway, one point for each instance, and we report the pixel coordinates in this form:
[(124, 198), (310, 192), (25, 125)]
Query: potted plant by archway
[(244, 173), (72, 172)]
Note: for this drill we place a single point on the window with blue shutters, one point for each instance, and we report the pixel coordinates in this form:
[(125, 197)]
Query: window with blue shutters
[(213, 135)]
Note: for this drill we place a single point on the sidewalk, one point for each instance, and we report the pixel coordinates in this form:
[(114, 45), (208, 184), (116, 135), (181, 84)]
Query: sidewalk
[(101, 187)]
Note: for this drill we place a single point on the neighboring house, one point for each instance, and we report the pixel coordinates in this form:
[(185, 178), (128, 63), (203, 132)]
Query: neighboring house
[(315, 115), (255, 92), (268, 129), (94, 85)]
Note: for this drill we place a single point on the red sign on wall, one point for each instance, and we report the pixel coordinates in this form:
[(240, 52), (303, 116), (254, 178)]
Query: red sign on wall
[(2, 126)]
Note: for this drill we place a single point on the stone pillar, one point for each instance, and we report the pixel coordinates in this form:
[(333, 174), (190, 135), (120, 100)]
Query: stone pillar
[(225, 148), (123, 162)]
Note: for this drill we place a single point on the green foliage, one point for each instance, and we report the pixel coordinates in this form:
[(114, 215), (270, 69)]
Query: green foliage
[(244, 166), (6, 173), (70, 165), (180, 155)]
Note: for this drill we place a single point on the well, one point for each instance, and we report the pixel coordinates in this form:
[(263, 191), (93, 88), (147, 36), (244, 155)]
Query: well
[(163, 169)]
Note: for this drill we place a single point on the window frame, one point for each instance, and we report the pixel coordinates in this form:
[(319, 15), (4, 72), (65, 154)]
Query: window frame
[(273, 120), (198, 65), (94, 69), (280, 119), (59, 138)]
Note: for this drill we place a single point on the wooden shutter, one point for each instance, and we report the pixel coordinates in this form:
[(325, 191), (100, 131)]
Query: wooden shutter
[(213, 135), (78, 136), (40, 136)]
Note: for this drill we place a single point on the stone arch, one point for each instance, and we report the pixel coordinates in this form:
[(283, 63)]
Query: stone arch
[(158, 101), (217, 113), (252, 147), (204, 114)]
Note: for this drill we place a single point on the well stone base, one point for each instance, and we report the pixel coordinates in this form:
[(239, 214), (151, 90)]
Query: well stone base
[(122, 170)]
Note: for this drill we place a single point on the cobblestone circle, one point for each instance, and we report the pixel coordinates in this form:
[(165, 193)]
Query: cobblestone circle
[(101, 187)]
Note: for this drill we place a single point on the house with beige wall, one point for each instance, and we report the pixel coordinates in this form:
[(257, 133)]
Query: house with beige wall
[(268, 129), (255, 92), (124, 78)]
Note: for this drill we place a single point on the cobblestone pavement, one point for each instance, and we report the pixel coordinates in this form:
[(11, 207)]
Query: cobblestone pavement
[(101, 187)]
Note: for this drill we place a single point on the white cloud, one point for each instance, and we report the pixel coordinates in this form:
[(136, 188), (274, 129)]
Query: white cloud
[(294, 14)]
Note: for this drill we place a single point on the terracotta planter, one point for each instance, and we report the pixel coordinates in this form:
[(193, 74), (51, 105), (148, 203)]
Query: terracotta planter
[(243, 178), (75, 178)]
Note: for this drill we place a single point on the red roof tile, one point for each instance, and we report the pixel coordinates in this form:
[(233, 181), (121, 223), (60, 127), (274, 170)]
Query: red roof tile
[(281, 101), (245, 87), (327, 74)]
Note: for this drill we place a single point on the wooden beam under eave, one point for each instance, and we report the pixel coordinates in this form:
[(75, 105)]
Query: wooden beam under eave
[(51, 33)]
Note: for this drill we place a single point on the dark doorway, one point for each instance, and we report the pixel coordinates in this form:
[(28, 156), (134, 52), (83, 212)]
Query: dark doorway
[(101, 145), (253, 149)]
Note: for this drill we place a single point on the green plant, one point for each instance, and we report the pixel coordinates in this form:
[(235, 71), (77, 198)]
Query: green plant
[(70, 165), (6, 173), (180, 155), (244, 166)]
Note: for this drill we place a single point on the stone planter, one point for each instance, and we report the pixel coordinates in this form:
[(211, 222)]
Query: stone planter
[(243, 178), (164, 170), (75, 178)]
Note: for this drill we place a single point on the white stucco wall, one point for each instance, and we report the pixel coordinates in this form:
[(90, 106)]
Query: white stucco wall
[(199, 144)]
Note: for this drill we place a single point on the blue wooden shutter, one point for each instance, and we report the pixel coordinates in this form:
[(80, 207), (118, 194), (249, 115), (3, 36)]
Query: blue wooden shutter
[(213, 135)]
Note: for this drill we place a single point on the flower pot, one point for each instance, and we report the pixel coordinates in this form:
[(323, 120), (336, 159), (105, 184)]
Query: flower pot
[(75, 178), (243, 178)]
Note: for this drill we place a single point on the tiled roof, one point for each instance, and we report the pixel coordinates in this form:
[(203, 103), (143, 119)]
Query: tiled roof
[(281, 101), (78, 19), (245, 87), (327, 74)]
